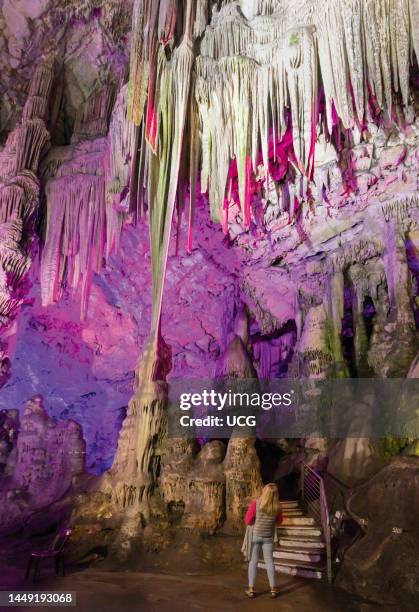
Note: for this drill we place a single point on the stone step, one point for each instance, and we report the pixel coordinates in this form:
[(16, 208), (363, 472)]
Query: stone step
[(318, 567), (292, 512), (306, 557), (295, 571), (302, 544), (317, 548), (298, 520), (290, 504), (299, 530)]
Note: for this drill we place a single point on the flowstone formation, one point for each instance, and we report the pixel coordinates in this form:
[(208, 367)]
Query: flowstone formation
[(43, 461), (258, 160)]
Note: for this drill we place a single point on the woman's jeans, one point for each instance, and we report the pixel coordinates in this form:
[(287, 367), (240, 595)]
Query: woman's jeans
[(267, 546)]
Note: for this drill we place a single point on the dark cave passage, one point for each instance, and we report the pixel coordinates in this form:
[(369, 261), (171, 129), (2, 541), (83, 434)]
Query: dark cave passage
[(272, 353), (348, 331), (368, 313), (270, 455)]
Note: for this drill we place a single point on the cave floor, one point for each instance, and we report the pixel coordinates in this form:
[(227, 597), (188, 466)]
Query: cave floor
[(107, 591)]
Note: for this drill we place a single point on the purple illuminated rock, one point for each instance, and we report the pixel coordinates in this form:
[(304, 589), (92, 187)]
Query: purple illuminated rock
[(42, 460)]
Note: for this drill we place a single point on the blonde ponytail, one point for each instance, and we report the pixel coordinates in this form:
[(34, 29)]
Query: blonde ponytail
[(269, 500)]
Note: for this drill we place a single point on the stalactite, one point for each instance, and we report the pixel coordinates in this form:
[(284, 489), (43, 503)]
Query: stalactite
[(153, 22), (201, 17), (414, 24), (164, 166), (14, 264), (400, 209), (19, 198), (301, 69), (86, 192), (31, 140), (121, 143)]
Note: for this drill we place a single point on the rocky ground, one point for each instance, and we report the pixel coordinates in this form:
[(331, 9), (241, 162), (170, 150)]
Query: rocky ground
[(115, 591), (184, 582)]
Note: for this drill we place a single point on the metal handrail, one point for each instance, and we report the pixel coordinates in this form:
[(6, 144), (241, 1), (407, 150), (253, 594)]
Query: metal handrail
[(314, 494)]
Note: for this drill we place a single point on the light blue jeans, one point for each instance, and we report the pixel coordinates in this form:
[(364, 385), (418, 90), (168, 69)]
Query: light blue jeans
[(267, 546)]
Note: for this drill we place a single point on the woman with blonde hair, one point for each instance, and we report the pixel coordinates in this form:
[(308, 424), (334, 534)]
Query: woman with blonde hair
[(264, 514)]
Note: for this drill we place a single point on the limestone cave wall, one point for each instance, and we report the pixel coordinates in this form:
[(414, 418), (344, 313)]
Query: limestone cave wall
[(198, 189)]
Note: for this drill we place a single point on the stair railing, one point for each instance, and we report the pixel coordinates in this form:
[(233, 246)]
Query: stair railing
[(314, 494)]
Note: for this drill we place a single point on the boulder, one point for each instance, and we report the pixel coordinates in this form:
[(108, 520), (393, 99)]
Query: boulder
[(383, 565)]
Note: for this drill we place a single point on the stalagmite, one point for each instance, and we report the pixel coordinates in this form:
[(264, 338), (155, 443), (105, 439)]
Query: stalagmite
[(335, 303), (313, 357), (241, 464), (137, 460)]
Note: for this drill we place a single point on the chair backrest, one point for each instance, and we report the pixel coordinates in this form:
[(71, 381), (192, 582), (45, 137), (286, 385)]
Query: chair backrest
[(61, 539)]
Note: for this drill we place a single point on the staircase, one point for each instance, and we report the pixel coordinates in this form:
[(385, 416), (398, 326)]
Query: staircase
[(301, 549), (304, 542)]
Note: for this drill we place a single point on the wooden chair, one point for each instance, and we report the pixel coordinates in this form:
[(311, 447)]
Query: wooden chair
[(56, 552)]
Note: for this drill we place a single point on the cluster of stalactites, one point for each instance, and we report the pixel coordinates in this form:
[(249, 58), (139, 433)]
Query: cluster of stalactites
[(19, 192), (121, 145), (76, 224), (85, 195), (257, 75)]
